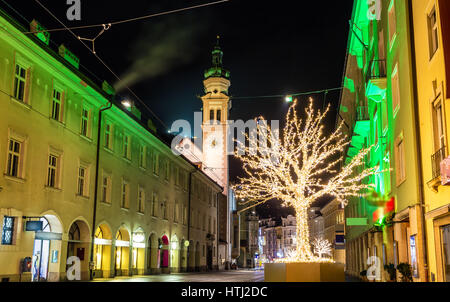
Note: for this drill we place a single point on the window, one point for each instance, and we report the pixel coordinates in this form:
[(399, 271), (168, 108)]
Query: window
[(156, 163), (57, 105), (204, 223), (219, 116), (155, 205), (109, 134), (21, 77), (392, 22), (141, 200), (185, 215), (433, 34), (211, 115), (395, 91), (209, 225), (86, 122), (167, 170), (142, 156), (177, 176), (176, 214), (445, 235), (82, 181), (126, 150), (125, 198), (106, 189), (53, 171), (7, 230), (400, 160), (438, 126), (164, 210), (14, 158)]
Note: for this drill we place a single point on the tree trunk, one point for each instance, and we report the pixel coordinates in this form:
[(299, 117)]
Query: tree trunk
[(303, 252)]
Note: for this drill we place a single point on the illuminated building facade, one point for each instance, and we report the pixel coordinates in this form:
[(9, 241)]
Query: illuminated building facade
[(377, 105), (111, 194), (431, 48)]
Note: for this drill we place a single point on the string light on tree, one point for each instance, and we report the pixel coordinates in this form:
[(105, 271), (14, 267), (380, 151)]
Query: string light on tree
[(322, 247), (290, 168)]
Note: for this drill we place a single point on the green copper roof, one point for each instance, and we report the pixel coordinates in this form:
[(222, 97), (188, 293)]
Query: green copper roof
[(217, 69)]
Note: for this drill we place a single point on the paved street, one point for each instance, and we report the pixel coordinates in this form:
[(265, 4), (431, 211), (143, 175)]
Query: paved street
[(227, 276)]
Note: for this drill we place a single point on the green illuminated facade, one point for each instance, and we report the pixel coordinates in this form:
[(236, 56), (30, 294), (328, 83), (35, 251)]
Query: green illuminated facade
[(377, 106)]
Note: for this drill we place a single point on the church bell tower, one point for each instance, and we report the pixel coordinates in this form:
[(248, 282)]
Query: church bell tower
[(216, 106)]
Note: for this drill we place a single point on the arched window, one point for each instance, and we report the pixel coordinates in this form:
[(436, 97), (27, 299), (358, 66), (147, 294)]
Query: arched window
[(212, 115), (219, 116), (74, 233)]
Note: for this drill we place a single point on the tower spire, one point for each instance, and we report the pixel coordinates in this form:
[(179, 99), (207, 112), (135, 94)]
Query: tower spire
[(217, 69)]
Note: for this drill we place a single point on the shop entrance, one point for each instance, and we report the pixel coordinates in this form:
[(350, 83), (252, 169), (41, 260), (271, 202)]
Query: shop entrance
[(46, 250)]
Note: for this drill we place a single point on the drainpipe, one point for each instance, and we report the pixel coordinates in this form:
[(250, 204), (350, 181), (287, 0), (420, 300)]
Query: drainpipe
[(418, 140), (97, 167)]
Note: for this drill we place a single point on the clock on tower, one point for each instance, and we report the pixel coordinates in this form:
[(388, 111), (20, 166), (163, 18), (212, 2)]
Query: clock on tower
[(215, 116)]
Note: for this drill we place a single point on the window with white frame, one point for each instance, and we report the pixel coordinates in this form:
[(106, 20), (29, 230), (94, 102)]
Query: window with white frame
[(141, 200), (125, 196), (143, 156), (400, 160), (86, 122), (392, 21), (395, 82), (53, 171), (21, 83), (126, 146), (433, 34), (106, 188), (8, 230), (82, 183), (185, 215), (109, 135), (57, 104), (176, 216), (14, 159), (438, 125)]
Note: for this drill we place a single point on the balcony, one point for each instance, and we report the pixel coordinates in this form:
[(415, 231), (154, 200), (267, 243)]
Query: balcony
[(360, 131), (436, 160), (376, 79)]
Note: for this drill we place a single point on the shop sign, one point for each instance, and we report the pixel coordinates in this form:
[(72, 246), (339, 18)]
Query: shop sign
[(120, 243), (99, 241), (48, 236)]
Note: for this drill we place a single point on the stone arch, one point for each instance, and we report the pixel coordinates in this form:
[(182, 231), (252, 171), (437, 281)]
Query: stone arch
[(44, 249), (138, 257), (78, 243), (103, 250), (122, 251)]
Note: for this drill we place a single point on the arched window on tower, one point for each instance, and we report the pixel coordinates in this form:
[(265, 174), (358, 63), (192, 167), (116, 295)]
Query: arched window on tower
[(211, 116), (219, 116)]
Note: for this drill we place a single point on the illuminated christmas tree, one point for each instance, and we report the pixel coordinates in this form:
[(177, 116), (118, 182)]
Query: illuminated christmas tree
[(299, 167)]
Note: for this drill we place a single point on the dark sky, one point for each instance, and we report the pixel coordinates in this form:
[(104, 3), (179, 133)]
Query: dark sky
[(270, 47)]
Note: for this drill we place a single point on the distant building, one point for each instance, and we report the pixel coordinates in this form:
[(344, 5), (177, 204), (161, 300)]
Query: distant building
[(277, 236), (334, 229), (249, 239)]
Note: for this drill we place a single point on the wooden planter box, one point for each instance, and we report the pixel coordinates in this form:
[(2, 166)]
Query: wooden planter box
[(304, 272)]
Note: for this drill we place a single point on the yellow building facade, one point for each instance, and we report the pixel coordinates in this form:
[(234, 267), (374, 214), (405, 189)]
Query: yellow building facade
[(153, 213), (432, 55)]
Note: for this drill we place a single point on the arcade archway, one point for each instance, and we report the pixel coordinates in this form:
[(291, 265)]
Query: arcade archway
[(122, 253), (102, 251), (78, 246)]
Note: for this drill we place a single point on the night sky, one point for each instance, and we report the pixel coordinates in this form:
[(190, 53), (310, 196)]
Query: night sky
[(270, 48)]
